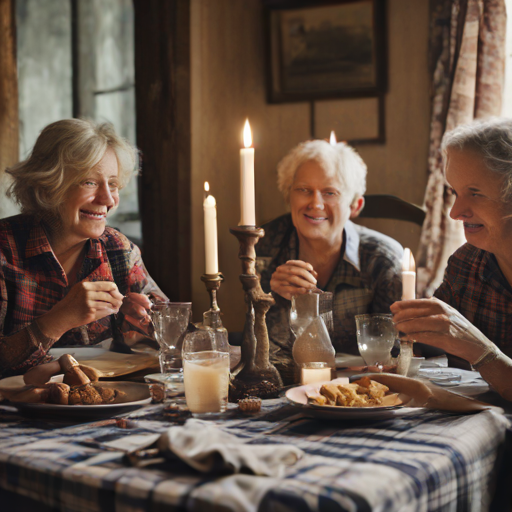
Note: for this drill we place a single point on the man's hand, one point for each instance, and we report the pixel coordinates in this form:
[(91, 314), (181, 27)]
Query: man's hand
[(295, 277)]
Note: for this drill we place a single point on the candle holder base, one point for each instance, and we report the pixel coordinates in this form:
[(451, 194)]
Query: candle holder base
[(255, 375)]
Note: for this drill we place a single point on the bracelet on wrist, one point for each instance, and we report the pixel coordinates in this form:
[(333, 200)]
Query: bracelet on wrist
[(487, 357)]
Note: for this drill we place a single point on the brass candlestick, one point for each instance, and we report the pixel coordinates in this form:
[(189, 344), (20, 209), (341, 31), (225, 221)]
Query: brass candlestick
[(212, 282), (255, 375)]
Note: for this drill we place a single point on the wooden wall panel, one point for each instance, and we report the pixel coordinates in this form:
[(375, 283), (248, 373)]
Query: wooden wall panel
[(9, 138), (228, 85), (162, 78)]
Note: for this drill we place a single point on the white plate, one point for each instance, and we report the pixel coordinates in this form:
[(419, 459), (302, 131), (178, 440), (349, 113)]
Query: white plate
[(461, 381), (297, 396), (17, 383), (79, 353), (137, 395)]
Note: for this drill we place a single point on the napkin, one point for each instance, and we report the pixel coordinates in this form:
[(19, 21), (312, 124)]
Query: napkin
[(207, 449), (426, 394)]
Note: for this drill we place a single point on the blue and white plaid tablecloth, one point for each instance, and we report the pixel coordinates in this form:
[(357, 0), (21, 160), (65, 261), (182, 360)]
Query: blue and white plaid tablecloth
[(422, 461)]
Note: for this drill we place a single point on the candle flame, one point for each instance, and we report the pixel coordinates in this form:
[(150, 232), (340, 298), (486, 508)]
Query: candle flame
[(333, 140), (408, 263), (247, 134), (206, 186)]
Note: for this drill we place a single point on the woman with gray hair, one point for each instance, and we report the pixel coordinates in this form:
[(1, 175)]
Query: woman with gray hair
[(317, 248), (470, 316), (66, 278)]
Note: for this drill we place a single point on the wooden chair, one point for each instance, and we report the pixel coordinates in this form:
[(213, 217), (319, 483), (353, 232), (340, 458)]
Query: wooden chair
[(385, 206)]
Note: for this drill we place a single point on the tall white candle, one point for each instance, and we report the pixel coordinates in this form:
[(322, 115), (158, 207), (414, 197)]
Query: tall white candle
[(408, 276), (247, 202), (210, 233)]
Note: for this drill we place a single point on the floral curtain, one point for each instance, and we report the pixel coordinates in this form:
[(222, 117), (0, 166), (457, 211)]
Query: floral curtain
[(467, 57)]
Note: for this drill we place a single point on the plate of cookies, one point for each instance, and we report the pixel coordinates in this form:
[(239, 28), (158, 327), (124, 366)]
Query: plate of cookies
[(361, 399), (67, 388)]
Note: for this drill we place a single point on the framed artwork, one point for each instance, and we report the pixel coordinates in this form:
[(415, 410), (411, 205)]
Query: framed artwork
[(321, 50)]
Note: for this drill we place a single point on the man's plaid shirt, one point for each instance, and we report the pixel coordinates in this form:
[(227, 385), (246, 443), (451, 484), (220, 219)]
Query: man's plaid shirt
[(368, 279), (474, 285), (32, 281)]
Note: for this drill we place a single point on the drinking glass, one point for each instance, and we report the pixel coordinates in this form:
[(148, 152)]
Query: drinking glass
[(206, 372), (170, 320), (376, 335)]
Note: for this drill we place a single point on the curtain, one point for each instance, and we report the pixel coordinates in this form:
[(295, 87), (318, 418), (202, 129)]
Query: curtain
[(467, 59)]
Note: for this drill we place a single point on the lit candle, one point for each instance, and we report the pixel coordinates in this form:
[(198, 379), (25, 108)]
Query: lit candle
[(247, 203), (408, 276), (332, 139), (210, 232)]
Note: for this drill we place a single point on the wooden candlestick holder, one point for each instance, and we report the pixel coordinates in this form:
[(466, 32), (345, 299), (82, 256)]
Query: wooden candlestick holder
[(255, 375)]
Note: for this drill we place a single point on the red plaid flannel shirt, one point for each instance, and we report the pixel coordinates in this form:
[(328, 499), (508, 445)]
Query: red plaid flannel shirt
[(474, 285), (32, 281)]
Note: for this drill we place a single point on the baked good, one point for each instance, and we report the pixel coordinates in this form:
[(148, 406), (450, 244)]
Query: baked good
[(360, 393)]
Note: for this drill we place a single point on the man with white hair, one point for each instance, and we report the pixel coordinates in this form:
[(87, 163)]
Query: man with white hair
[(316, 247)]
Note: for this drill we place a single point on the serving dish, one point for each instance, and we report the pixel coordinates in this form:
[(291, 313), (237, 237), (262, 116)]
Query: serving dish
[(396, 404), (137, 395)]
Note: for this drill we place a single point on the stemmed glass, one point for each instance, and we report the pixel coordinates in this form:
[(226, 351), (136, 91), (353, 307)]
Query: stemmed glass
[(206, 372), (170, 320)]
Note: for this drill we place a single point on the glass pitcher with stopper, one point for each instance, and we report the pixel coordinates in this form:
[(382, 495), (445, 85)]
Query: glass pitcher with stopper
[(312, 350)]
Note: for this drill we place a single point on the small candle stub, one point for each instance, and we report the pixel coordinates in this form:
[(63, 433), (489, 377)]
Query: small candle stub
[(315, 372)]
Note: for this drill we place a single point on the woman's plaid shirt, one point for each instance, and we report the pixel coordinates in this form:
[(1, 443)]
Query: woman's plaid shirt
[(474, 285), (32, 281)]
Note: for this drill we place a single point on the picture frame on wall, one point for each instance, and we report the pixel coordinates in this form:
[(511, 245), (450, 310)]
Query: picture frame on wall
[(325, 49)]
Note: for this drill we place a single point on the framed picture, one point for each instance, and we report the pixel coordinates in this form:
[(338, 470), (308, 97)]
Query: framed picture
[(321, 50)]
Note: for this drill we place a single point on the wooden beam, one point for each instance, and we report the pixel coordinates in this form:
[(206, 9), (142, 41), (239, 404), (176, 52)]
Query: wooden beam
[(162, 92), (9, 137)]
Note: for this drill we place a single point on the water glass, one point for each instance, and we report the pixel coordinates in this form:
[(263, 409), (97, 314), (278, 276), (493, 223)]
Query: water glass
[(206, 372), (376, 335), (170, 320)]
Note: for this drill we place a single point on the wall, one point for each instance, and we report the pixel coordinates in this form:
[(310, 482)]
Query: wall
[(228, 70)]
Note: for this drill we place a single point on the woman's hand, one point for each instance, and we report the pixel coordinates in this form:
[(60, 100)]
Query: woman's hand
[(295, 277), (136, 307), (86, 302), (435, 323)]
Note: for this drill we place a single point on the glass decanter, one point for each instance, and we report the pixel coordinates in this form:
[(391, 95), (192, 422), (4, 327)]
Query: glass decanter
[(312, 344)]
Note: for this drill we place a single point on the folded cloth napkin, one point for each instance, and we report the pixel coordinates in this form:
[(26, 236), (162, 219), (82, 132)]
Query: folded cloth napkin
[(206, 448), (426, 394)]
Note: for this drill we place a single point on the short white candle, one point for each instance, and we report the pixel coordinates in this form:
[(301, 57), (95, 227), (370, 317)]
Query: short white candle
[(210, 233), (315, 372), (247, 201), (408, 276)]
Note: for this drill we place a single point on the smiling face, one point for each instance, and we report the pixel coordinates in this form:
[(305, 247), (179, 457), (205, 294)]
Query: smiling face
[(84, 211), (478, 202), (318, 207)]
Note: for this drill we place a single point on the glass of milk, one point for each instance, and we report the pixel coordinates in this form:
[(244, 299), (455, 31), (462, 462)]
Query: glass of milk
[(205, 372), (376, 335)]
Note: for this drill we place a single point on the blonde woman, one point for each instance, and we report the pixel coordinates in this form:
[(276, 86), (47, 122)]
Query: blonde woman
[(64, 275), (316, 246)]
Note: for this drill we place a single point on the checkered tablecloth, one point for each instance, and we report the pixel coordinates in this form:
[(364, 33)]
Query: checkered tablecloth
[(417, 462)]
